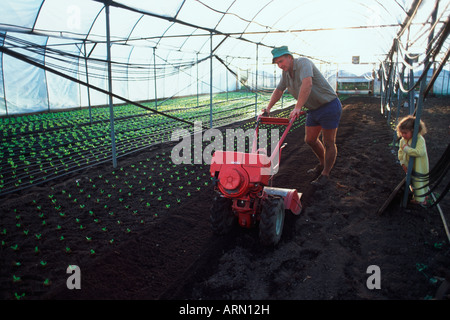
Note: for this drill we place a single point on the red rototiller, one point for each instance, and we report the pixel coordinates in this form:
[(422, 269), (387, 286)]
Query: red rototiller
[(241, 181)]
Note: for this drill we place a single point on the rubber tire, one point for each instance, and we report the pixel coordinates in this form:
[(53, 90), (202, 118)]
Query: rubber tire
[(221, 215), (271, 220)]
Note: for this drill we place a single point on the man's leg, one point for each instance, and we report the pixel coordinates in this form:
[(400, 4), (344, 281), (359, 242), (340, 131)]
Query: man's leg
[(329, 140), (327, 116), (312, 139)]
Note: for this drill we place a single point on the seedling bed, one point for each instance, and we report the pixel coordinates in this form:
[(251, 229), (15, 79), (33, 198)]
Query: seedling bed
[(42, 147), (75, 218)]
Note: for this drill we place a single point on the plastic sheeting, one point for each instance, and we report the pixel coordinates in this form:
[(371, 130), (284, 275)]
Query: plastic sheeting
[(162, 49)]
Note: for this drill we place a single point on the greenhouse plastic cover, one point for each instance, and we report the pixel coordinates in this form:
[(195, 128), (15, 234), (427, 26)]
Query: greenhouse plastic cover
[(161, 49)]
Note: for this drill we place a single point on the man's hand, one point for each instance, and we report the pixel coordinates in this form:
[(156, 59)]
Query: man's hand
[(266, 112), (295, 112)]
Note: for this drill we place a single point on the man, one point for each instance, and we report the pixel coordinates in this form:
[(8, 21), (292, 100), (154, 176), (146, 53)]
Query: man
[(305, 82)]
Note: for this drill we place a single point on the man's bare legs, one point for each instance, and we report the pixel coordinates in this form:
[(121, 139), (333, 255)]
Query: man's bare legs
[(325, 152)]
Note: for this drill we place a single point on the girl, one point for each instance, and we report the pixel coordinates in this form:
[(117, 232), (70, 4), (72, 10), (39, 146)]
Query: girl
[(419, 177)]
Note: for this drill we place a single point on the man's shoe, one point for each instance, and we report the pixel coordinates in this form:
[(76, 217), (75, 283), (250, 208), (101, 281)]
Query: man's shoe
[(320, 181), (316, 170)]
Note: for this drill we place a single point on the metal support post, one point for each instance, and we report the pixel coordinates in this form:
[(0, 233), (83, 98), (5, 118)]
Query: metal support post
[(111, 109), (226, 76), (211, 82), (419, 110), (154, 75), (197, 80), (256, 83), (87, 81)]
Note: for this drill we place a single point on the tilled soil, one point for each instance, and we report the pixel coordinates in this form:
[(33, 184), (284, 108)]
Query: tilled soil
[(169, 252)]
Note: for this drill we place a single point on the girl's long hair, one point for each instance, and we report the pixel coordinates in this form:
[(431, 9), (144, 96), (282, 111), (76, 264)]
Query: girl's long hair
[(407, 123)]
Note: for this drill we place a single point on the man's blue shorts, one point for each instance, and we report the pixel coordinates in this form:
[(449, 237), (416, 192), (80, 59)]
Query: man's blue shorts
[(327, 116)]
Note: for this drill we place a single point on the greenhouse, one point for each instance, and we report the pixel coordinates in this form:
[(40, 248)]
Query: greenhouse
[(94, 95), (159, 51)]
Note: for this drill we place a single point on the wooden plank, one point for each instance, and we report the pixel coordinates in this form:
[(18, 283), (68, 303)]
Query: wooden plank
[(391, 197)]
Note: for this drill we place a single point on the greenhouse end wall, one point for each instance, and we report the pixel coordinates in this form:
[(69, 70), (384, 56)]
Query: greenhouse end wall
[(28, 89)]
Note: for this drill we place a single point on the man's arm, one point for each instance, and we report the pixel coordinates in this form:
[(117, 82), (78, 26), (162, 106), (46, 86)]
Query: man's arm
[(276, 95), (305, 90)]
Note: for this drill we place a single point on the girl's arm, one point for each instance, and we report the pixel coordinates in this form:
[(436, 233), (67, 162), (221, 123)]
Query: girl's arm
[(419, 151), (401, 154)]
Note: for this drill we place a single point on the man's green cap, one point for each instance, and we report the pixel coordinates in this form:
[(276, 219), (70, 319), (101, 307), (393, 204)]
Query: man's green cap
[(280, 51)]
